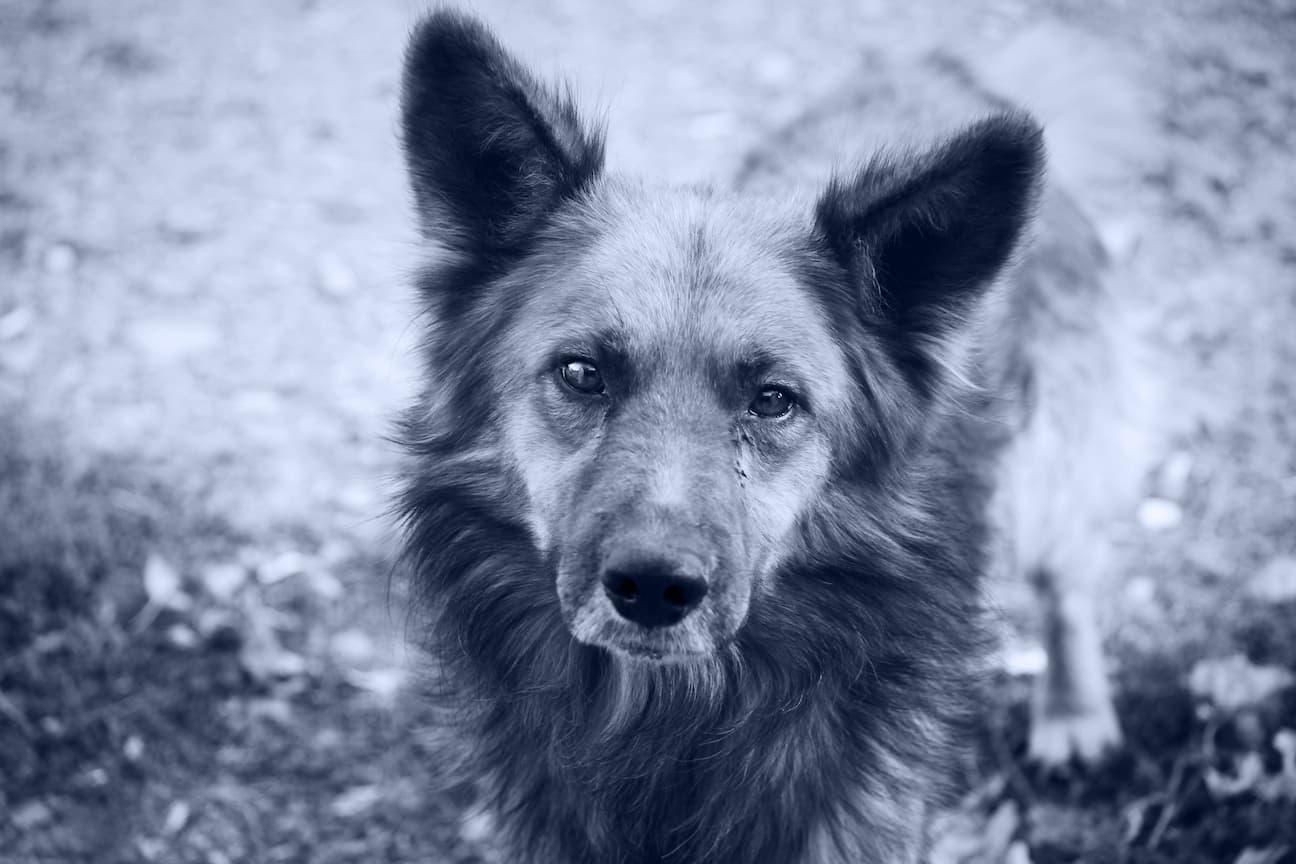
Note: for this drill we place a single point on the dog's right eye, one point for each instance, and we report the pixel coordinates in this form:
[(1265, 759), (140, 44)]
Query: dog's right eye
[(581, 376)]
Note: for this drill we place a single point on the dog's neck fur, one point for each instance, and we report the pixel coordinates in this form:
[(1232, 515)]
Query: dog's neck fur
[(794, 744)]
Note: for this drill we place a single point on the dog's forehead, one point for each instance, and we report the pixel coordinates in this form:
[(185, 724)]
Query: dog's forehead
[(687, 273)]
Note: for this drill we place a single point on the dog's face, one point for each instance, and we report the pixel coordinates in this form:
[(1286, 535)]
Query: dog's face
[(675, 376), (671, 393)]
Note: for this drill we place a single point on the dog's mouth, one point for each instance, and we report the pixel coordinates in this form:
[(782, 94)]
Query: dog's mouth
[(597, 623)]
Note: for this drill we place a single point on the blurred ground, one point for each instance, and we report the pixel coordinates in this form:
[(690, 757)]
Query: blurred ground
[(204, 326)]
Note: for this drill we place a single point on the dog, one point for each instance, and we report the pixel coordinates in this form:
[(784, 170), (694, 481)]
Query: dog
[(704, 486)]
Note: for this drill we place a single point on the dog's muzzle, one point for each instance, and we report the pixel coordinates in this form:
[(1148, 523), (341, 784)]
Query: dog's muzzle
[(653, 588)]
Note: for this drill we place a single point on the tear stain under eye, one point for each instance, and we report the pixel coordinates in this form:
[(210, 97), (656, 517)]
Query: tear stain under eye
[(742, 456)]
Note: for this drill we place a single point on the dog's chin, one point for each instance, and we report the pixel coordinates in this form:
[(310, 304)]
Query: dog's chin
[(646, 651), (682, 643)]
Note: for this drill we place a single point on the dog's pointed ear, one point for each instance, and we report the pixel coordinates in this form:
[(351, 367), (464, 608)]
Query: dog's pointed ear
[(924, 238), (490, 151)]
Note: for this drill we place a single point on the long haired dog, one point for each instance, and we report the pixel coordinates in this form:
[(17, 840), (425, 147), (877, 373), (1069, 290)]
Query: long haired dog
[(701, 483)]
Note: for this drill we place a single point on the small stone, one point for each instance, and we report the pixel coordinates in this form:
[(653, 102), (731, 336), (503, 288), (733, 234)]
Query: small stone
[(168, 339), (1209, 557), (1174, 475), (353, 647), (15, 323), (1140, 592), (775, 68), (334, 277), (95, 778), (182, 636), (31, 815), (185, 224), (1159, 514), (1121, 238), (133, 748), (257, 402), (162, 583), (60, 258), (712, 126)]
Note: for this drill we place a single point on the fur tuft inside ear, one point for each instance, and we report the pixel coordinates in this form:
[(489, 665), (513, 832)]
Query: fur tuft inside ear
[(924, 238), (490, 151)]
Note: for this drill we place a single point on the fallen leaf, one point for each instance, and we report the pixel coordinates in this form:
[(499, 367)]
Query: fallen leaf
[(352, 647), (1135, 818), (31, 815), (1000, 829), (261, 653), (1283, 785), (356, 801), (176, 819), (1172, 477), (167, 340), (162, 584), (264, 658), (324, 584), (282, 566), (182, 636), (278, 711), (1285, 743), (477, 827), (1233, 683), (1024, 659), (383, 683), (222, 580), (1276, 581), (1018, 853), (1250, 772)]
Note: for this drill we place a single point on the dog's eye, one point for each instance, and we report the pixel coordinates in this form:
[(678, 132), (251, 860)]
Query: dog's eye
[(771, 402), (581, 376)]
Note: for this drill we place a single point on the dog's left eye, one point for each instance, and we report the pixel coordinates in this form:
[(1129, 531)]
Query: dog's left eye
[(581, 376), (771, 402)]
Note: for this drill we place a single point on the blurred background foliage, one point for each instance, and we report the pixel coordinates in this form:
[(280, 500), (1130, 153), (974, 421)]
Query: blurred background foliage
[(205, 326)]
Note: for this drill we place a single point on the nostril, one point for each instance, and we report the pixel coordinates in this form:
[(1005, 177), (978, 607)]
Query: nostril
[(651, 594), (683, 592)]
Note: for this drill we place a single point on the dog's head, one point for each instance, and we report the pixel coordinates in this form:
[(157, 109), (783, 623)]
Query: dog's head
[(675, 378)]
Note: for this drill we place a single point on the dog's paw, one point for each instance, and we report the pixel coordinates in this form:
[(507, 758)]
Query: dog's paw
[(1058, 740)]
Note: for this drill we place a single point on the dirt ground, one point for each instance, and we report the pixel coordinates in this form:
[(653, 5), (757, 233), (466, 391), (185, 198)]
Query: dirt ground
[(205, 327)]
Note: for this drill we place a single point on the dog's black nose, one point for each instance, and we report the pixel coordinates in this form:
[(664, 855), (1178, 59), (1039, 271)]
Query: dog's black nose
[(653, 592)]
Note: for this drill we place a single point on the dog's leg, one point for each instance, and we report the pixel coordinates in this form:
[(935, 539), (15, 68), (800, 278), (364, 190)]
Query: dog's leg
[(1073, 716)]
